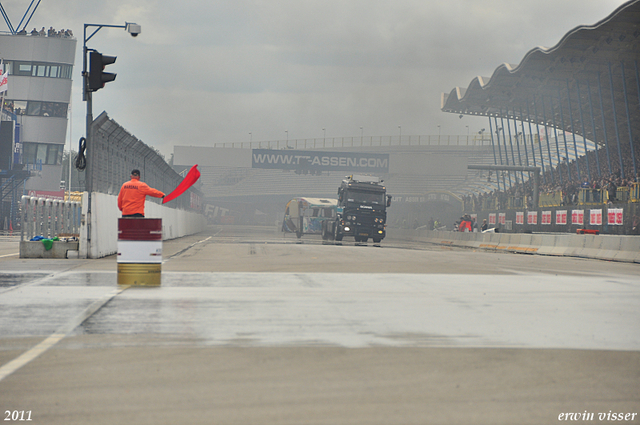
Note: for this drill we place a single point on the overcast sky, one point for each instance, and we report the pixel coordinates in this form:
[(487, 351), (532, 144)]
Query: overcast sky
[(204, 72)]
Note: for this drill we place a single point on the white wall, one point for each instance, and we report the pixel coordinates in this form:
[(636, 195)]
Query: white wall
[(104, 224)]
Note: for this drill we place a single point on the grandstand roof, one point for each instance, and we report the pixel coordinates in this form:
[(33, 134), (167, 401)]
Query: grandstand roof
[(563, 83)]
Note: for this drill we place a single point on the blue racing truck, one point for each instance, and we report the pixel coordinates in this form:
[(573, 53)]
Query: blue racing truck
[(361, 212)]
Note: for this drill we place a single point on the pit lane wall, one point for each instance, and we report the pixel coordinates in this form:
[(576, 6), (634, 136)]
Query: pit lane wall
[(104, 224), (601, 247)]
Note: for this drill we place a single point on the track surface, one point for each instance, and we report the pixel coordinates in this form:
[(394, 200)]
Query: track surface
[(253, 327)]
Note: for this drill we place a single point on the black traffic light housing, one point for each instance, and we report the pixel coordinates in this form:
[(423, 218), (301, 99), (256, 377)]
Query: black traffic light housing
[(97, 77)]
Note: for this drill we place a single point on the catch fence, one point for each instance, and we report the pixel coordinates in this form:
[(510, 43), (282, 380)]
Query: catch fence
[(116, 153)]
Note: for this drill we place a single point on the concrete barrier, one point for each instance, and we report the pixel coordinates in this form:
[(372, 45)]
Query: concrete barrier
[(629, 249), (103, 229), (602, 247), (36, 249)]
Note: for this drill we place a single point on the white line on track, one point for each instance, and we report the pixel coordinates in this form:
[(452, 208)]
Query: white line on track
[(60, 334)]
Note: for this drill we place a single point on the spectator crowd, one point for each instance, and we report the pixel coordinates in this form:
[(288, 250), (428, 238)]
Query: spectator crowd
[(563, 181), (51, 32)]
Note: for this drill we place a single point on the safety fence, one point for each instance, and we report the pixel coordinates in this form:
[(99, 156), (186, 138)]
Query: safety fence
[(353, 142), (49, 218), (116, 153), (551, 199), (557, 198), (624, 195)]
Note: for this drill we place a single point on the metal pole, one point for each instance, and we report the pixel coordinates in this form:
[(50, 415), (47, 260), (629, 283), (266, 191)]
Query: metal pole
[(506, 151), (546, 134), (495, 161), (533, 147), (626, 103), (604, 124), (615, 120), (504, 183), (535, 113), (555, 132), (584, 134), (593, 127), (515, 125), (535, 170), (564, 137), (573, 132), (533, 152), (89, 149)]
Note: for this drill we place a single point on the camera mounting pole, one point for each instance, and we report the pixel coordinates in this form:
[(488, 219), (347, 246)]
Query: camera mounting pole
[(134, 30)]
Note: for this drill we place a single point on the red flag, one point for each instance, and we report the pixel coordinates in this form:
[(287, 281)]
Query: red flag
[(192, 176)]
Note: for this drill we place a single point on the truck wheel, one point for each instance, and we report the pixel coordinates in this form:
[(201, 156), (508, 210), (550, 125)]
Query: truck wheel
[(376, 240)]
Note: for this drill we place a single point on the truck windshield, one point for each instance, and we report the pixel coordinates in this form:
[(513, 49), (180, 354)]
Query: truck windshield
[(363, 197)]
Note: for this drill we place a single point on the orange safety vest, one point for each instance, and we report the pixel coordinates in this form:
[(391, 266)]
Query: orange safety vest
[(133, 194)]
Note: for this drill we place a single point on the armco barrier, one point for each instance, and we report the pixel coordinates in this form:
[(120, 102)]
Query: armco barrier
[(601, 247)]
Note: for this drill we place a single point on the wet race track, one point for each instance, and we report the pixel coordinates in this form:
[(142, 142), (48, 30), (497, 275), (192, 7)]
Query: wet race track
[(252, 327)]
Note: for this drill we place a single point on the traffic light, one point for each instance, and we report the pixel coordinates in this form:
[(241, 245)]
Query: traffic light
[(97, 77)]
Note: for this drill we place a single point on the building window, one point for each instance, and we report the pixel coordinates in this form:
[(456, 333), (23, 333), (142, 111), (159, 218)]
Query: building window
[(46, 153), (36, 108), (39, 69)]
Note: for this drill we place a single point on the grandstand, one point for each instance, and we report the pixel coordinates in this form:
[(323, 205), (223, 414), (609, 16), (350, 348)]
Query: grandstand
[(579, 100)]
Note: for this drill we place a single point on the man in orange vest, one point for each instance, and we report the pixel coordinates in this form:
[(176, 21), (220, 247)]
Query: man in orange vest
[(133, 194)]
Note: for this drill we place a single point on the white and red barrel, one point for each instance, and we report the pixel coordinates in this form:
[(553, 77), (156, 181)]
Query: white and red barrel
[(139, 251)]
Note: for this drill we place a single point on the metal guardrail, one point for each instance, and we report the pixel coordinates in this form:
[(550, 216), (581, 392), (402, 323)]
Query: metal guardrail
[(369, 141), (49, 217), (592, 196), (624, 194), (551, 199)]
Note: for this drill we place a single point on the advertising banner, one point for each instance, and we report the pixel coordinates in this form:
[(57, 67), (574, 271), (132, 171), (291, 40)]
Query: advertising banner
[(546, 217), (492, 219), (532, 217), (596, 217), (360, 162), (47, 194), (519, 217), (614, 217), (502, 217), (561, 217), (577, 217)]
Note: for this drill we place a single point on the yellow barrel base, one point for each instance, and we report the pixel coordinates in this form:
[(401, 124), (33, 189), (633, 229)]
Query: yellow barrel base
[(139, 274)]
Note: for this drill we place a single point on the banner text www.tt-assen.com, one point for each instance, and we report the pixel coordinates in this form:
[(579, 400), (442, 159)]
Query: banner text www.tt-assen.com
[(320, 161)]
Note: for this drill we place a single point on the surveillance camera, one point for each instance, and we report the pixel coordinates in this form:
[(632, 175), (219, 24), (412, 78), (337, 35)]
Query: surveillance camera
[(134, 29)]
